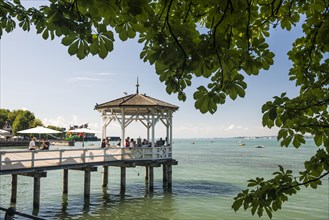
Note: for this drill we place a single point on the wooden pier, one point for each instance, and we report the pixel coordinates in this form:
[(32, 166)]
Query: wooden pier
[(37, 163), (148, 111)]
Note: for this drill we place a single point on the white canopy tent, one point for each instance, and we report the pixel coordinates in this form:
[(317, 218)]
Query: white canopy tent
[(39, 130)]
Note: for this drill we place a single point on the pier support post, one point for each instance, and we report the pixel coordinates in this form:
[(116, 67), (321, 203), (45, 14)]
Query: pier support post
[(36, 187), (36, 191), (169, 167), (146, 175), (105, 176), (65, 180), (87, 183), (123, 181), (13, 188), (165, 176), (151, 178)]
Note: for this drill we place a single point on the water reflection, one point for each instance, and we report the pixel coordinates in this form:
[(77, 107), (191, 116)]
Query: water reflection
[(86, 206), (204, 188), (35, 212), (64, 203), (106, 196)]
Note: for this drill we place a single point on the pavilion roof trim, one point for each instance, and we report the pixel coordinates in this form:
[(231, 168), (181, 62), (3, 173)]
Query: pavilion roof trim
[(135, 101)]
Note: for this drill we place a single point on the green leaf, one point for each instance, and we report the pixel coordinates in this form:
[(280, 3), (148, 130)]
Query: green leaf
[(73, 48), (318, 139), (253, 209), (204, 104), (94, 48), (237, 204), (81, 51), (131, 33), (240, 91), (102, 51), (123, 35), (268, 212), (45, 34), (68, 40), (272, 114), (260, 211)]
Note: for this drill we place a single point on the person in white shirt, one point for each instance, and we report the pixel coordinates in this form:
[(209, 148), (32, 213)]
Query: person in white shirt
[(132, 143), (32, 144)]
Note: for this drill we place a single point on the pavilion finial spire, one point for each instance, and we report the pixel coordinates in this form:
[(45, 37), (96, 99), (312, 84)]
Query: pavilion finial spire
[(137, 85)]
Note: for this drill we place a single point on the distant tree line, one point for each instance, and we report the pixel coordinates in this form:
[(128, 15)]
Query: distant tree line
[(21, 120)]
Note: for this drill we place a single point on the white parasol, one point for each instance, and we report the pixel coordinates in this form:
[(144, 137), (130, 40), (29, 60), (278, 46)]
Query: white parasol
[(39, 130)]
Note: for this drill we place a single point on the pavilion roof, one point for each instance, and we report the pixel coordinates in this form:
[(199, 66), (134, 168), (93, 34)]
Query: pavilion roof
[(136, 103)]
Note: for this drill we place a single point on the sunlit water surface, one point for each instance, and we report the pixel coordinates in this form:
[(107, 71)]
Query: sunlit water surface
[(209, 174)]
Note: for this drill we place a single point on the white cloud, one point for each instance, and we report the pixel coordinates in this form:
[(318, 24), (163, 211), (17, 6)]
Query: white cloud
[(229, 127), (105, 74), (60, 121), (82, 78), (89, 77)]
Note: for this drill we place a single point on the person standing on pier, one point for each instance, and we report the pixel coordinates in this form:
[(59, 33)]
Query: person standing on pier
[(127, 142), (32, 144)]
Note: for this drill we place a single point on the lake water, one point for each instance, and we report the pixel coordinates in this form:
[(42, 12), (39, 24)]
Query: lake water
[(209, 174)]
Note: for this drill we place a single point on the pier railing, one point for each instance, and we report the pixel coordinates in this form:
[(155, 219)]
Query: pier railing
[(25, 159)]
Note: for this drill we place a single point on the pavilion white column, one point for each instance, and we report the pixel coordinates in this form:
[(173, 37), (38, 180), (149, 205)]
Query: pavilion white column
[(170, 130), (103, 125), (153, 130), (123, 128), (148, 128)]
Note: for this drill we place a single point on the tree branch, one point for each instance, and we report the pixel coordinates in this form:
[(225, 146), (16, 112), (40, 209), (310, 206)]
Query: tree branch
[(274, 12), (163, 10), (320, 103), (220, 21), (312, 48), (188, 11), (248, 24), (175, 38), (307, 182)]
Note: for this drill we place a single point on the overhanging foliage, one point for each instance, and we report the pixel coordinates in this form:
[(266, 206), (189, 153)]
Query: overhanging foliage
[(222, 41)]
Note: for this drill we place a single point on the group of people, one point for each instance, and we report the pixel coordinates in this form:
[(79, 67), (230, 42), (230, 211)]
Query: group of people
[(106, 143), (130, 142), (44, 144)]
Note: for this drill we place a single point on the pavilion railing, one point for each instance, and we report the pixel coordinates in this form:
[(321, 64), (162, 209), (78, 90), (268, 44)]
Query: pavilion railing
[(26, 159)]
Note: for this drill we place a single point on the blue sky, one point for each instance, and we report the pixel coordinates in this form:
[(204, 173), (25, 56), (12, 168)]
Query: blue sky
[(61, 90)]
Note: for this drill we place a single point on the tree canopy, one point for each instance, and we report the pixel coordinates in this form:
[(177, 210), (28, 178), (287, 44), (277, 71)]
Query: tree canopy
[(21, 120), (221, 41)]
